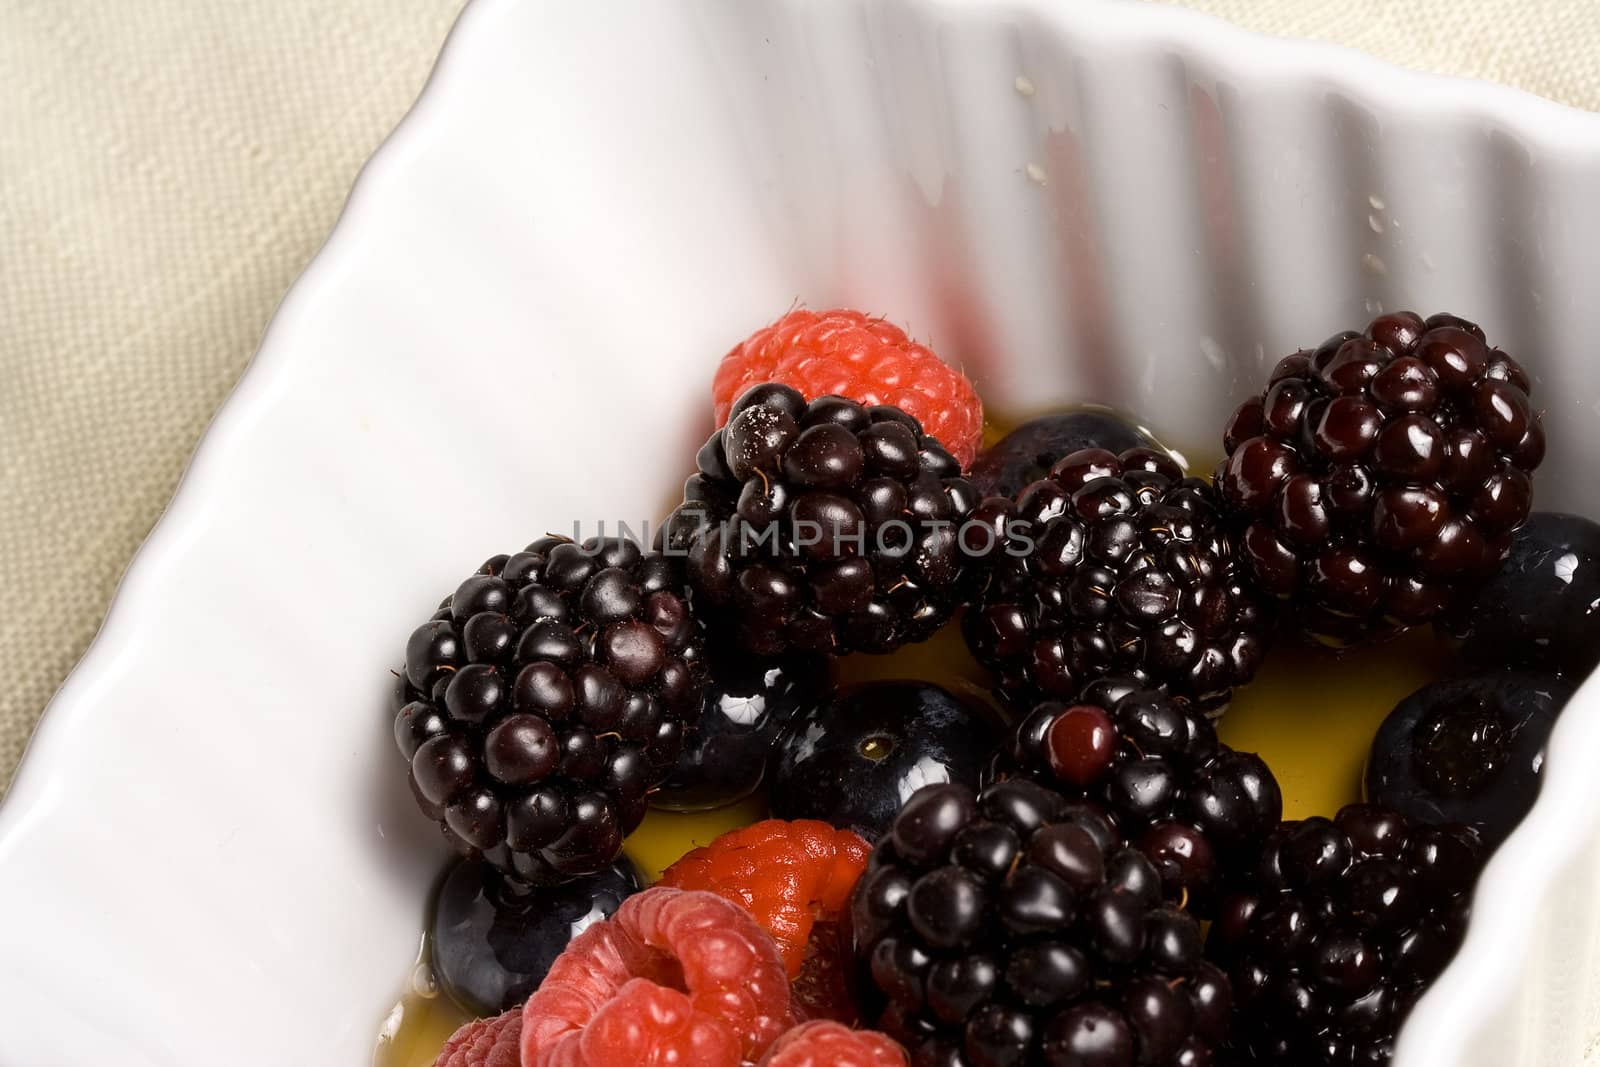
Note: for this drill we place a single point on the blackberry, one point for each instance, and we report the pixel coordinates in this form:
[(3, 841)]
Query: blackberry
[(1380, 472), (1116, 565), (1153, 772), (1345, 925), (825, 526), (1000, 928), (545, 698)]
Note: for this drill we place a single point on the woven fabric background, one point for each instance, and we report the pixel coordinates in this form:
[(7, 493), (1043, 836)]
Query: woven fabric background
[(168, 167)]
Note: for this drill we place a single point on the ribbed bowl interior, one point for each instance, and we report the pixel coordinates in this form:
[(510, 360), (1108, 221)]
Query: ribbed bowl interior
[(514, 326)]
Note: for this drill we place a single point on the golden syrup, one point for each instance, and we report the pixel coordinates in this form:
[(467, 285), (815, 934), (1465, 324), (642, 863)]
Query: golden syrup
[(1311, 713), (420, 1022), (666, 835)]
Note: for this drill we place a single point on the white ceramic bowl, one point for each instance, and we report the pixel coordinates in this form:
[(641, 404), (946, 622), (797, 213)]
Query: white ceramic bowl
[(210, 846)]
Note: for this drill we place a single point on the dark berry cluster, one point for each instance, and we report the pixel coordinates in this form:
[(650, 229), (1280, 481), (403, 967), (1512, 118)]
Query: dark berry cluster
[(1342, 928), (1152, 768), (1119, 565), (1378, 472), (545, 698), (825, 526), (1003, 928)]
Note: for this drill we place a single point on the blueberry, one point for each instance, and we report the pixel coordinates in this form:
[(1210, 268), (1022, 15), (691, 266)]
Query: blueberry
[(746, 704), (1027, 453), (1467, 750), (493, 944), (1542, 610), (853, 760)]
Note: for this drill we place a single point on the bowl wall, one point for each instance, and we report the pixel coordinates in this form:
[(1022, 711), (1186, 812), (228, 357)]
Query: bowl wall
[(210, 844)]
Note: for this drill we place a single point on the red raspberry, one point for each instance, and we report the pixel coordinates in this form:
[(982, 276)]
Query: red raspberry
[(845, 353), (492, 1042), (674, 977), (829, 1044), (789, 875), (822, 988)]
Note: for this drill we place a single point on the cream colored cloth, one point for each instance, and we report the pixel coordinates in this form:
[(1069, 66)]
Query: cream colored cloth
[(168, 167), (1549, 47)]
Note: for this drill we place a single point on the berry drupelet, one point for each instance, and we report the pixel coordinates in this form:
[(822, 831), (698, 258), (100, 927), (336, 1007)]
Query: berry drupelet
[(1002, 928), (1150, 769), (1116, 565), (1379, 472), (544, 700), (1344, 926), (824, 526)]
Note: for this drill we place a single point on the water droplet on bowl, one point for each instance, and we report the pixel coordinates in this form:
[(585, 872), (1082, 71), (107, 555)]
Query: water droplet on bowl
[(391, 1023), (423, 983)]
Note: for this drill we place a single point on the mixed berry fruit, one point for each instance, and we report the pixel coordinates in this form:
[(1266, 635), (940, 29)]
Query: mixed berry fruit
[(748, 701), (1117, 564), (854, 759), (1149, 770), (870, 360), (1018, 874), (1339, 930), (825, 526), (789, 876), (1026, 454), (1007, 927), (1380, 470), (676, 976), (1542, 609), (1468, 749), (492, 1042), (544, 700), (493, 940)]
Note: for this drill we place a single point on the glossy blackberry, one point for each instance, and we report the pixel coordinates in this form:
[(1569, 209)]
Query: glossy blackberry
[(1344, 925), (1378, 474), (1153, 770), (1001, 928), (1116, 565), (550, 692), (826, 526)]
